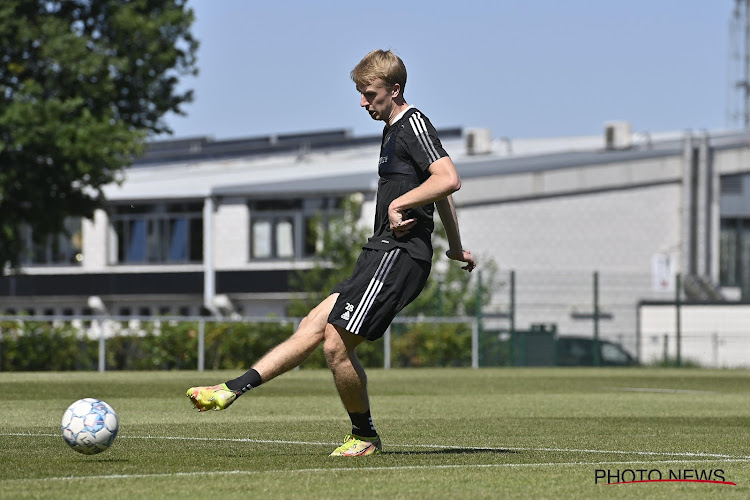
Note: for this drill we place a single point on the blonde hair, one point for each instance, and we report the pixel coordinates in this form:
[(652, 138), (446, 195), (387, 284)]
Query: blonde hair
[(382, 64)]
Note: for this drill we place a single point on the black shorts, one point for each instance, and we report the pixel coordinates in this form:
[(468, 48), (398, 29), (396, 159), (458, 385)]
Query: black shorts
[(382, 284)]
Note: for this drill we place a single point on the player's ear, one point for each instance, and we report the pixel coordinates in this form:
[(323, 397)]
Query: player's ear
[(395, 90)]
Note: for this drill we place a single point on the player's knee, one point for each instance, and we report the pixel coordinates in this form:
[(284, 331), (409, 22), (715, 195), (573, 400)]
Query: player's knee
[(335, 351), (308, 328), (313, 324)]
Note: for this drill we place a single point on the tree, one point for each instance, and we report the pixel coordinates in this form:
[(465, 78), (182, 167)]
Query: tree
[(82, 84)]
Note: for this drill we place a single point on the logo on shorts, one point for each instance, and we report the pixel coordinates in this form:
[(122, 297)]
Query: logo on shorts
[(347, 314)]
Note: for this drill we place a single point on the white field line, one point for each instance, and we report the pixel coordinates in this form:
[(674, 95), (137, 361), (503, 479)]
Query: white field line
[(428, 446), (352, 469), (662, 391)]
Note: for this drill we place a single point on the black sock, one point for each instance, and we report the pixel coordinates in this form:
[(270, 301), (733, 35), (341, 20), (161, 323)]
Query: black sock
[(245, 382), (362, 424)]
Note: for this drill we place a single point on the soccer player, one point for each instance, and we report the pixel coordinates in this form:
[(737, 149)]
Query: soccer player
[(416, 175)]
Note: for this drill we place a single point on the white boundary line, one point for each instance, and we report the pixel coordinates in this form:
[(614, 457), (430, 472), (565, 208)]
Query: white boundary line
[(662, 391), (350, 469), (429, 446)]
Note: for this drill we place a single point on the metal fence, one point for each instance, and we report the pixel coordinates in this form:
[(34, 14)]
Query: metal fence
[(605, 306), (112, 342), (104, 329)]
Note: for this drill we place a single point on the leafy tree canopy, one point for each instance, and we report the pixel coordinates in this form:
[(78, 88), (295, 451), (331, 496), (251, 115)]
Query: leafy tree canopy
[(82, 84)]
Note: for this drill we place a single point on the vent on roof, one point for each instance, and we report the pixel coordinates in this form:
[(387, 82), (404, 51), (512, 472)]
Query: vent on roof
[(478, 141), (618, 135)]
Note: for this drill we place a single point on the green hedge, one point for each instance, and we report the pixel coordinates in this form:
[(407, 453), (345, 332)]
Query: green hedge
[(40, 346), (173, 345), (427, 344)]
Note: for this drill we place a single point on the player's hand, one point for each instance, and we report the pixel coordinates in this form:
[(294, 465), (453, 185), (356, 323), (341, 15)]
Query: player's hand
[(463, 256), (399, 226)]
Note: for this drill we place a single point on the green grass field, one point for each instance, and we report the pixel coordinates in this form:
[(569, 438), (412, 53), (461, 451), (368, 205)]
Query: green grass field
[(448, 433)]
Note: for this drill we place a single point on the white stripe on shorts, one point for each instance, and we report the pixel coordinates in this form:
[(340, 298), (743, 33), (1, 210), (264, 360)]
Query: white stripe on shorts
[(376, 284)]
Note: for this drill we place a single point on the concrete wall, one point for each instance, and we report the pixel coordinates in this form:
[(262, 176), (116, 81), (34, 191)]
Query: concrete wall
[(231, 234), (712, 335), (556, 243)]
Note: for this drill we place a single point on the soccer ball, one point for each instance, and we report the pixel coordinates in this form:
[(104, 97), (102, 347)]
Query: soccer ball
[(89, 426)]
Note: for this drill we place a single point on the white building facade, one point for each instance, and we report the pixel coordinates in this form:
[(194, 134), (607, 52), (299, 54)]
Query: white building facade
[(213, 227)]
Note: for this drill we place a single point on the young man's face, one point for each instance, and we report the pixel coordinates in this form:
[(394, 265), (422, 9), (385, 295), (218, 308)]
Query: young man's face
[(377, 99)]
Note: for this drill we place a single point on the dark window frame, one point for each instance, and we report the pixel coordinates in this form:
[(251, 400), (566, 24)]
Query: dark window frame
[(309, 217), (157, 233), (60, 249), (734, 254)]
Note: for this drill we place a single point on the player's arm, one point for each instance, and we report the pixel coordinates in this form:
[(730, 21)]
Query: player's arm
[(442, 182), (456, 251)]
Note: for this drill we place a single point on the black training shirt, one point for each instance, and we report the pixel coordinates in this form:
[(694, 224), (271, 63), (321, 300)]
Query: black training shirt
[(408, 149)]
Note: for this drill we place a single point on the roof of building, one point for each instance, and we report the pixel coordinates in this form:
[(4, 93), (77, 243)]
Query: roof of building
[(335, 162)]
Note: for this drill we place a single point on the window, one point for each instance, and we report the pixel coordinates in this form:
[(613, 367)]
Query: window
[(731, 184), (288, 229), (734, 254), (613, 355), (159, 233), (65, 248)]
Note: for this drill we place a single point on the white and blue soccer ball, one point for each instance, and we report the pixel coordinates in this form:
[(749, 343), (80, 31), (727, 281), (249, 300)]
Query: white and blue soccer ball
[(90, 426)]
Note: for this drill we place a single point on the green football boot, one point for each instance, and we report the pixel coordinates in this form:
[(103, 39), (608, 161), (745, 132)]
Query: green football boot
[(356, 446), (216, 397)]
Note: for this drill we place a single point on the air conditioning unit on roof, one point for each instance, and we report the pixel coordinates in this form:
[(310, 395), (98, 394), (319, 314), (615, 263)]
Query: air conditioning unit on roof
[(478, 141), (618, 135)]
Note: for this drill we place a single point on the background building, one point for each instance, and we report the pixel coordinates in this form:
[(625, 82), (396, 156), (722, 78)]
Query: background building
[(217, 227)]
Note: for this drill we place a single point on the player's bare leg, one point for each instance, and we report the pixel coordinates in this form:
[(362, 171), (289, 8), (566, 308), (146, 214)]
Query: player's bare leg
[(348, 373), (351, 384), (280, 359), (297, 348)]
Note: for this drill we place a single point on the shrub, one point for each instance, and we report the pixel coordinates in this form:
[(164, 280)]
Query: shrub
[(173, 345)]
